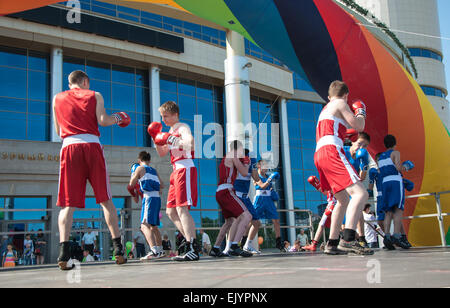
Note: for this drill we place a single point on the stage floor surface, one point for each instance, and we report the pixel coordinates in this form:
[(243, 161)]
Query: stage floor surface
[(417, 267)]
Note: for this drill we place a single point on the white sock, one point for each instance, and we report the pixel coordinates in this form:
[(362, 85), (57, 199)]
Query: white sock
[(155, 250), (227, 248), (248, 243)]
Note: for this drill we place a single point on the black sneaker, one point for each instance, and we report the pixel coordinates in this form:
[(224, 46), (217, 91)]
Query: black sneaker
[(118, 251), (236, 251), (216, 252), (279, 244), (388, 243), (399, 243), (404, 239), (333, 250), (64, 261), (354, 247), (190, 255)]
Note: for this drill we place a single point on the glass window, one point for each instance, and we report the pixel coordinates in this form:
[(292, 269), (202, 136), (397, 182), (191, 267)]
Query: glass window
[(123, 74), (123, 97), (306, 111), (38, 61), (12, 104), (186, 86), (24, 204), (98, 70), (13, 57), (168, 83), (38, 86), (187, 106), (308, 129), (13, 82)]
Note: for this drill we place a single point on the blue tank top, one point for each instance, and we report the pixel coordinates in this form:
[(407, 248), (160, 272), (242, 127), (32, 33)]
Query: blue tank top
[(354, 162), (150, 181), (386, 165), (242, 183)]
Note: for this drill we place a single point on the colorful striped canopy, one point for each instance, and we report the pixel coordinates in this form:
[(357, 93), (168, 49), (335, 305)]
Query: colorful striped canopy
[(323, 42)]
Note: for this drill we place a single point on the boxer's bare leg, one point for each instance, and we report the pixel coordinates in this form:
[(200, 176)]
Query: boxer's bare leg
[(276, 227), (223, 231), (110, 212), (145, 228), (158, 238), (173, 216), (187, 223), (241, 225), (356, 204), (65, 220), (398, 219)]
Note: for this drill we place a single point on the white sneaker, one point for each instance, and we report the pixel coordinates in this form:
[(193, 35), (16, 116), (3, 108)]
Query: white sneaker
[(252, 250), (160, 254), (148, 257)]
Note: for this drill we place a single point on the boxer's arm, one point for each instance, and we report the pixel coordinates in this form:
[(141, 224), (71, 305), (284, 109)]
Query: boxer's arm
[(363, 174), (257, 180), (137, 174), (242, 169), (161, 184), (56, 124), (395, 157), (357, 122), (102, 117)]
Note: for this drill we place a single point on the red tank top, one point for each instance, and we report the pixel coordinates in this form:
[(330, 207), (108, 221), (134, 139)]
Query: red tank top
[(227, 175), (76, 112), (177, 153), (330, 125)]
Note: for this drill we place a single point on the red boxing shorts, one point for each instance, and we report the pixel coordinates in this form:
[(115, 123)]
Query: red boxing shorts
[(183, 185), (230, 204), (80, 162), (335, 171)]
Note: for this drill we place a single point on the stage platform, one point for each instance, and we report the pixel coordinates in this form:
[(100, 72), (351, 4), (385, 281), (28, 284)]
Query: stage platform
[(414, 268)]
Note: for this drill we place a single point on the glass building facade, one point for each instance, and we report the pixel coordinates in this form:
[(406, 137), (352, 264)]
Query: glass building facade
[(24, 94)]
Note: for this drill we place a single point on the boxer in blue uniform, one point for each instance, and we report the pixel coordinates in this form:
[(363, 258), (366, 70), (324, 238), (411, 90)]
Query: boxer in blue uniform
[(358, 157), (375, 179), (242, 187), (150, 185), (264, 200), (393, 191)]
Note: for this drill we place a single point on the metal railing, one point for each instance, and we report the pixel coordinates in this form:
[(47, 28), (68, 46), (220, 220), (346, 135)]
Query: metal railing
[(439, 215), (123, 212)]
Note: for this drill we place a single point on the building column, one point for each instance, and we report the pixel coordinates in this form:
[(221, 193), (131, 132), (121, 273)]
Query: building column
[(56, 73), (237, 90), (286, 159), (155, 100)]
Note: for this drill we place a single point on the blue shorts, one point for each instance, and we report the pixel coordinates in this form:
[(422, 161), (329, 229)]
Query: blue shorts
[(265, 208), (380, 212), (150, 210), (393, 196), (250, 207)]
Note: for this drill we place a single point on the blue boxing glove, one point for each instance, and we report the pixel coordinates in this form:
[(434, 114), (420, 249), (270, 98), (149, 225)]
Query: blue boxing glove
[(373, 173), (273, 177), (408, 184), (134, 167), (274, 195), (363, 156), (409, 165)]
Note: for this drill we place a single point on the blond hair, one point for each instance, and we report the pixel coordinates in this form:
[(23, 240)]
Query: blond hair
[(171, 107)]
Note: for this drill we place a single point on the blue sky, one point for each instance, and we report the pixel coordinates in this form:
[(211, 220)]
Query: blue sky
[(444, 11)]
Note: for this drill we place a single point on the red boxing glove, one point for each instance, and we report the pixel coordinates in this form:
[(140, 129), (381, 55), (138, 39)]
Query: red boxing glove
[(245, 160), (122, 119), (131, 190), (359, 108), (137, 187), (154, 129), (352, 134), (165, 138), (314, 181)]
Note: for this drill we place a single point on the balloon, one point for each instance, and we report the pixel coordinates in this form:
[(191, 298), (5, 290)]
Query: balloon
[(260, 240), (323, 42), (129, 246)]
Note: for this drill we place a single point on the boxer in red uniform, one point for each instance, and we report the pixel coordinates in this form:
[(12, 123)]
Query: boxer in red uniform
[(335, 171), (233, 209), (183, 180), (77, 113)]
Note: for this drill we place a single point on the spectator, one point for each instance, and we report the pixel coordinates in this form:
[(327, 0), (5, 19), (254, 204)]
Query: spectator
[(287, 246), (28, 249), (9, 257), (139, 244), (97, 255), (40, 248), (167, 246), (88, 241), (206, 242), (296, 247), (4, 246), (303, 238), (371, 234), (87, 256)]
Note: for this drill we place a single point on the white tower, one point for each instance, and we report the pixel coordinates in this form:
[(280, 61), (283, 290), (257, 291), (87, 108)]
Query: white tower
[(416, 24)]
